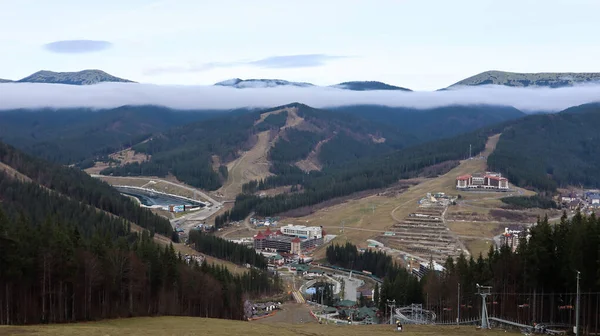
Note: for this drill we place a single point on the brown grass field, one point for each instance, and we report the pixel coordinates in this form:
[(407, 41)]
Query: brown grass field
[(187, 326), (367, 217)]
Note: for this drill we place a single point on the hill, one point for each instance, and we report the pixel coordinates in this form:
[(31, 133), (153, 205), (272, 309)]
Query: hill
[(368, 86), (84, 77), (203, 154), (542, 79), (70, 252), (162, 326), (81, 135), (561, 149), (5, 80), (435, 123), (259, 83)]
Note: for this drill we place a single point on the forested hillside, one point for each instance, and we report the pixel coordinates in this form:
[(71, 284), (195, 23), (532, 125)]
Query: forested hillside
[(363, 174), (72, 135), (435, 123), (187, 151), (67, 254), (80, 187), (550, 150)]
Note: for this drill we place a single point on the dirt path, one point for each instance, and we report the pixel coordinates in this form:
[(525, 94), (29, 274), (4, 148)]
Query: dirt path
[(251, 165), (312, 160)]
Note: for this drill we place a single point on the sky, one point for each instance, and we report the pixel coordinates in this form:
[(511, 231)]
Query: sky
[(419, 44)]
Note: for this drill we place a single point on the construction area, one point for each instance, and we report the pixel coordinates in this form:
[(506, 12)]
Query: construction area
[(423, 234)]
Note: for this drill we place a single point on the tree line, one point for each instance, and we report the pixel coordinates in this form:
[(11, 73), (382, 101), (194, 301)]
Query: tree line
[(536, 281), (398, 283), (226, 250), (535, 201)]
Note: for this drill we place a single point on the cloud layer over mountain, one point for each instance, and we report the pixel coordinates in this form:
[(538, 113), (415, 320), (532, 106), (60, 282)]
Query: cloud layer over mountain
[(107, 95)]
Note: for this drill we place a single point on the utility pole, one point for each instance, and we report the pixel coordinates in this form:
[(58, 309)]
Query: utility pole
[(458, 306), (469, 151), (577, 307)]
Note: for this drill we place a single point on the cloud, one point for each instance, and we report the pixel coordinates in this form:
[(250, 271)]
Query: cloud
[(108, 95), (77, 46), (274, 62), (294, 61)]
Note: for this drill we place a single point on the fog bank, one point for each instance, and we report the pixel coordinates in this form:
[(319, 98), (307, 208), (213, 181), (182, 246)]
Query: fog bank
[(109, 95)]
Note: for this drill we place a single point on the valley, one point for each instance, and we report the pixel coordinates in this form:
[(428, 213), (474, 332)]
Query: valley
[(209, 168)]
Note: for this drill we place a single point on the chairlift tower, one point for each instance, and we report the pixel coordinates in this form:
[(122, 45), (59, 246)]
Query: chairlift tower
[(484, 291), (392, 305)]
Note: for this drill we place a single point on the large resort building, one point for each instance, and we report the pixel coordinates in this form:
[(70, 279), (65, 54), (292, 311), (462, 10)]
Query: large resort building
[(487, 181), (291, 238)]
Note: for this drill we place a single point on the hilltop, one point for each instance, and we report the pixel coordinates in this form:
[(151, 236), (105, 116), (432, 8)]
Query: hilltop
[(5, 80), (259, 83), (542, 79), (368, 86), (84, 77), (270, 83)]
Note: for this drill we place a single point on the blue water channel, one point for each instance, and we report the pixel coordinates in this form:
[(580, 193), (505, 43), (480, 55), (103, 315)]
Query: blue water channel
[(150, 199)]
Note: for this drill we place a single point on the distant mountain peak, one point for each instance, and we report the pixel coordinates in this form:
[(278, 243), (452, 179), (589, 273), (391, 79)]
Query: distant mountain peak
[(541, 79), (84, 77), (260, 83), (368, 86)]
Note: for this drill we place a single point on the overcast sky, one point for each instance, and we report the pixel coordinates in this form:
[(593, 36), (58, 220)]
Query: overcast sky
[(420, 44)]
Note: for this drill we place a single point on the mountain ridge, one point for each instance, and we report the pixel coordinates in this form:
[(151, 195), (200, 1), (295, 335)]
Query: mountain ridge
[(520, 79), (83, 77), (368, 86)]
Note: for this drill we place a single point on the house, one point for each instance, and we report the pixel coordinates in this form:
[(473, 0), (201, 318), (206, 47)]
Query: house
[(366, 293), (276, 260)]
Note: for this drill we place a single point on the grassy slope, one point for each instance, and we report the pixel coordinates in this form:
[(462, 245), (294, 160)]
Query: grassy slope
[(362, 222), (149, 326)]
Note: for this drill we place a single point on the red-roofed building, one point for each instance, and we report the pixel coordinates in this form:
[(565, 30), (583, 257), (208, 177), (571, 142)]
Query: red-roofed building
[(293, 242), (260, 241), (489, 180)]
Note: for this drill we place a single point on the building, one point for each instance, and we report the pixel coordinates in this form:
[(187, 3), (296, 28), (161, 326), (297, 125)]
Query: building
[(294, 240), (512, 236), (487, 181), (424, 269), (301, 231)]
